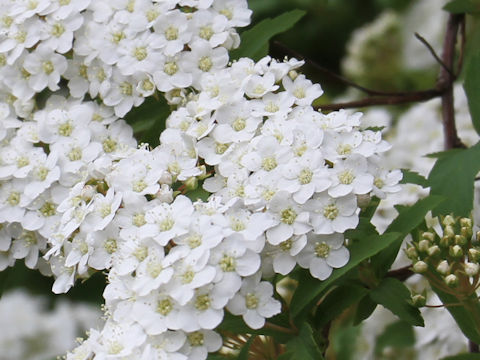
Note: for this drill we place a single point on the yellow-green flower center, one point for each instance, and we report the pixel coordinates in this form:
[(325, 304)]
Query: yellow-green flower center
[(322, 249), (330, 212), (251, 301)]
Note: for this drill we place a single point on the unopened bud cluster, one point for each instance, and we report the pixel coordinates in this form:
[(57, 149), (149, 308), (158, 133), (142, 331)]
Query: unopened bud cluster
[(451, 255)]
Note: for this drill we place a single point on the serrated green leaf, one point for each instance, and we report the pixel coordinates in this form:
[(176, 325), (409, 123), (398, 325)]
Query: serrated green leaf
[(453, 177), (399, 334), (303, 346), (407, 220), (255, 40), (365, 308), (412, 177), (395, 296), (310, 289), (462, 316), (337, 301), (471, 74), (463, 6), (467, 356)]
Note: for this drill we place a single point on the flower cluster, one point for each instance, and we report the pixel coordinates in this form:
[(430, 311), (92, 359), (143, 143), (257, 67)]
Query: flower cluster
[(282, 178), (120, 51), (450, 252)]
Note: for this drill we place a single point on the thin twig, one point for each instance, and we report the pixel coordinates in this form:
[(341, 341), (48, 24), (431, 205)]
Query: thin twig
[(333, 75), (269, 325), (415, 96), (402, 273), (434, 54)]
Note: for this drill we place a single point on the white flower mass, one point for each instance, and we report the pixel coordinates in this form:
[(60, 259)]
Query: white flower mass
[(78, 194)]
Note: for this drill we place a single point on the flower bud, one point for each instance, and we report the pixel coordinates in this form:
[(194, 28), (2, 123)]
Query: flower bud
[(455, 251), (292, 74), (466, 232), (420, 267), (166, 178), (419, 300), (466, 222), (191, 183), (448, 220), (448, 231), (445, 241), (423, 245), (460, 240), (433, 250), (443, 267), (427, 235), (451, 280), (471, 269), (412, 253), (478, 236), (474, 255), (204, 174)]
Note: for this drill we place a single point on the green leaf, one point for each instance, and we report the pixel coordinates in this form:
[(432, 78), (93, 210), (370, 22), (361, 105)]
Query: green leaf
[(255, 40), (303, 346), (399, 334), (365, 308), (466, 356), (395, 296), (471, 74), (337, 301), (310, 289), (404, 223), (3, 280), (453, 177), (243, 355), (412, 177), (462, 6), (148, 120), (462, 316)]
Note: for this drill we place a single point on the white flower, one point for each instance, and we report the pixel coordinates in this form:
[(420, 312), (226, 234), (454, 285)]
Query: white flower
[(322, 254), (254, 302), (45, 68)]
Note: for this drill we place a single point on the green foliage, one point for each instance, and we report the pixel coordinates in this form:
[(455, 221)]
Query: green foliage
[(310, 289), (395, 296), (365, 308), (337, 301), (344, 340), (408, 219), (397, 335), (472, 73), (463, 6), (148, 120), (462, 315), (412, 177), (255, 40), (453, 178), (303, 346)]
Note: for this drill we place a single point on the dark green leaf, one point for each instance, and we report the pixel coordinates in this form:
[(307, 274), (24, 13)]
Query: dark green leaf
[(395, 296), (344, 340), (303, 346), (365, 308), (337, 301), (148, 120), (404, 223), (310, 289), (411, 177), (397, 335), (243, 355), (462, 6), (198, 194), (462, 316), (3, 280), (466, 356), (453, 178), (471, 74), (255, 40)]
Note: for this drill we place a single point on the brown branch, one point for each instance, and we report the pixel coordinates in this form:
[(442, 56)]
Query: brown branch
[(433, 53), (451, 139), (401, 274), (415, 96), (323, 70)]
